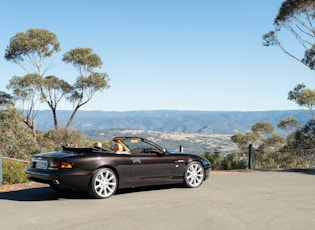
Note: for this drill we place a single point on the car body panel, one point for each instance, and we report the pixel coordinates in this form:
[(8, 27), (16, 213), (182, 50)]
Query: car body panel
[(145, 164)]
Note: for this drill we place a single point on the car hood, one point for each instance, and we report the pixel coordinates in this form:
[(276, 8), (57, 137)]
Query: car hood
[(202, 159), (181, 153)]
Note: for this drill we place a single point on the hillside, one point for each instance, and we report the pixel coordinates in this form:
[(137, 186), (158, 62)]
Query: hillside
[(201, 122), (190, 142)]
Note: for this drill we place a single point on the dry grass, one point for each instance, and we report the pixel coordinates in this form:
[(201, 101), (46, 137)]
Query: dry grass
[(16, 187)]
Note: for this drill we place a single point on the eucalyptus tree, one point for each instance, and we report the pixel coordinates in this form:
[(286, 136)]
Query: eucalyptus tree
[(27, 90), (5, 99), (304, 97), (295, 17), (31, 51), (243, 140), (267, 144), (89, 81), (260, 130), (301, 144), (289, 124), (263, 128), (53, 90)]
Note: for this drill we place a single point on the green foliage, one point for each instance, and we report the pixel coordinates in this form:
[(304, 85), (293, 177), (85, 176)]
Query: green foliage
[(55, 139), (53, 90), (289, 124), (274, 142), (34, 46), (5, 99), (300, 145), (26, 87), (105, 144), (215, 159), (263, 128), (290, 9), (243, 140), (274, 150), (303, 96), (89, 82), (232, 161), (297, 18), (27, 90), (16, 141), (264, 161), (13, 171), (228, 162), (30, 50), (83, 59)]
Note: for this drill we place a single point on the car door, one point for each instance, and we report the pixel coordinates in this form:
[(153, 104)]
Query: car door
[(151, 168)]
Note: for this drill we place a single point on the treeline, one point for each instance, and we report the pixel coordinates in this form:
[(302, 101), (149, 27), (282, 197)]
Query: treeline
[(271, 150)]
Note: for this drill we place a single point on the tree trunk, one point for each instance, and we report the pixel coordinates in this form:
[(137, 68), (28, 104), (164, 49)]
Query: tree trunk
[(55, 118), (72, 116)]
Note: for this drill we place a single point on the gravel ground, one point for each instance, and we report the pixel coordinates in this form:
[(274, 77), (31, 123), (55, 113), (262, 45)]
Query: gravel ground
[(242, 199)]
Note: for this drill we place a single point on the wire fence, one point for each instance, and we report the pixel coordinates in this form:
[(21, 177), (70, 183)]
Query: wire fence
[(14, 159)]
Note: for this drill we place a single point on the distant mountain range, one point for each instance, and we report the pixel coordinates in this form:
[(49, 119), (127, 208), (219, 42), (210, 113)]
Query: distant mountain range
[(202, 122)]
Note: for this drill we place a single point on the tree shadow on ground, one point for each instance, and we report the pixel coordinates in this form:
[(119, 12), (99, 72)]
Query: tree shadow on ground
[(308, 171), (303, 171)]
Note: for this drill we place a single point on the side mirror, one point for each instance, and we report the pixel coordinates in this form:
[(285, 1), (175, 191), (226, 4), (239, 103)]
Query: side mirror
[(161, 153)]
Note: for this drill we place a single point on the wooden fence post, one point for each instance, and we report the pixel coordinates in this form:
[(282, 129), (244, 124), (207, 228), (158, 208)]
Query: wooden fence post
[(250, 156)]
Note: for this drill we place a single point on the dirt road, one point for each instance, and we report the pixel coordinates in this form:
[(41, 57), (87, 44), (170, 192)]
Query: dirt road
[(251, 200)]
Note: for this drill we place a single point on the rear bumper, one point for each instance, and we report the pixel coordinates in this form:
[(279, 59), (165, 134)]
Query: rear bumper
[(67, 178)]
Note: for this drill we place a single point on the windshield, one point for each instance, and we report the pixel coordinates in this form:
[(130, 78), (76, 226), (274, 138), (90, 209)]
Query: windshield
[(134, 144)]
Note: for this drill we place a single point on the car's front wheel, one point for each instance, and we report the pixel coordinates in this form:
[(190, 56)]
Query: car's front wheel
[(103, 184), (194, 175)]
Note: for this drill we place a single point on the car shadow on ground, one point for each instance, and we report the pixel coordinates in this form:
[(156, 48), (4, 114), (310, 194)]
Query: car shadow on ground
[(148, 188), (40, 194), (47, 194)]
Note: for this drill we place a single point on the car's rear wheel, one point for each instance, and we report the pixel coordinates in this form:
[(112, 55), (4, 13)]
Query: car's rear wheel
[(103, 184), (194, 175)]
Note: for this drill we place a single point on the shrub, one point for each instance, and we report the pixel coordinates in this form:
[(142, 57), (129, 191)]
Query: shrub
[(13, 172), (55, 139), (220, 162), (16, 140)]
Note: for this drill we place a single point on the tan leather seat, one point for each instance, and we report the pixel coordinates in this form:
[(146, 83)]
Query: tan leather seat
[(118, 148), (98, 145)]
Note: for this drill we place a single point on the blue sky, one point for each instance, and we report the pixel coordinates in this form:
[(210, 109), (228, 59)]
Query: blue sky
[(166, 54)]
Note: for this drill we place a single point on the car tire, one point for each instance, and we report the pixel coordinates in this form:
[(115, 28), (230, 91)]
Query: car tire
[(104, 183), (194, 175)]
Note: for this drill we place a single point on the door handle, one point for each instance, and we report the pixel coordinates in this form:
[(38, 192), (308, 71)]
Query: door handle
[(180, 161), (135, 161)]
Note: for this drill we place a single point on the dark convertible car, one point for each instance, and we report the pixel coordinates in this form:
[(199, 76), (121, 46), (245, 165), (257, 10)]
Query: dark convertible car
[(132, 162)]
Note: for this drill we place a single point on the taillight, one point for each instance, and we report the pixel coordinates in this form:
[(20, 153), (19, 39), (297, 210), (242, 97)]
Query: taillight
[(65, 165), (55, 165)]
